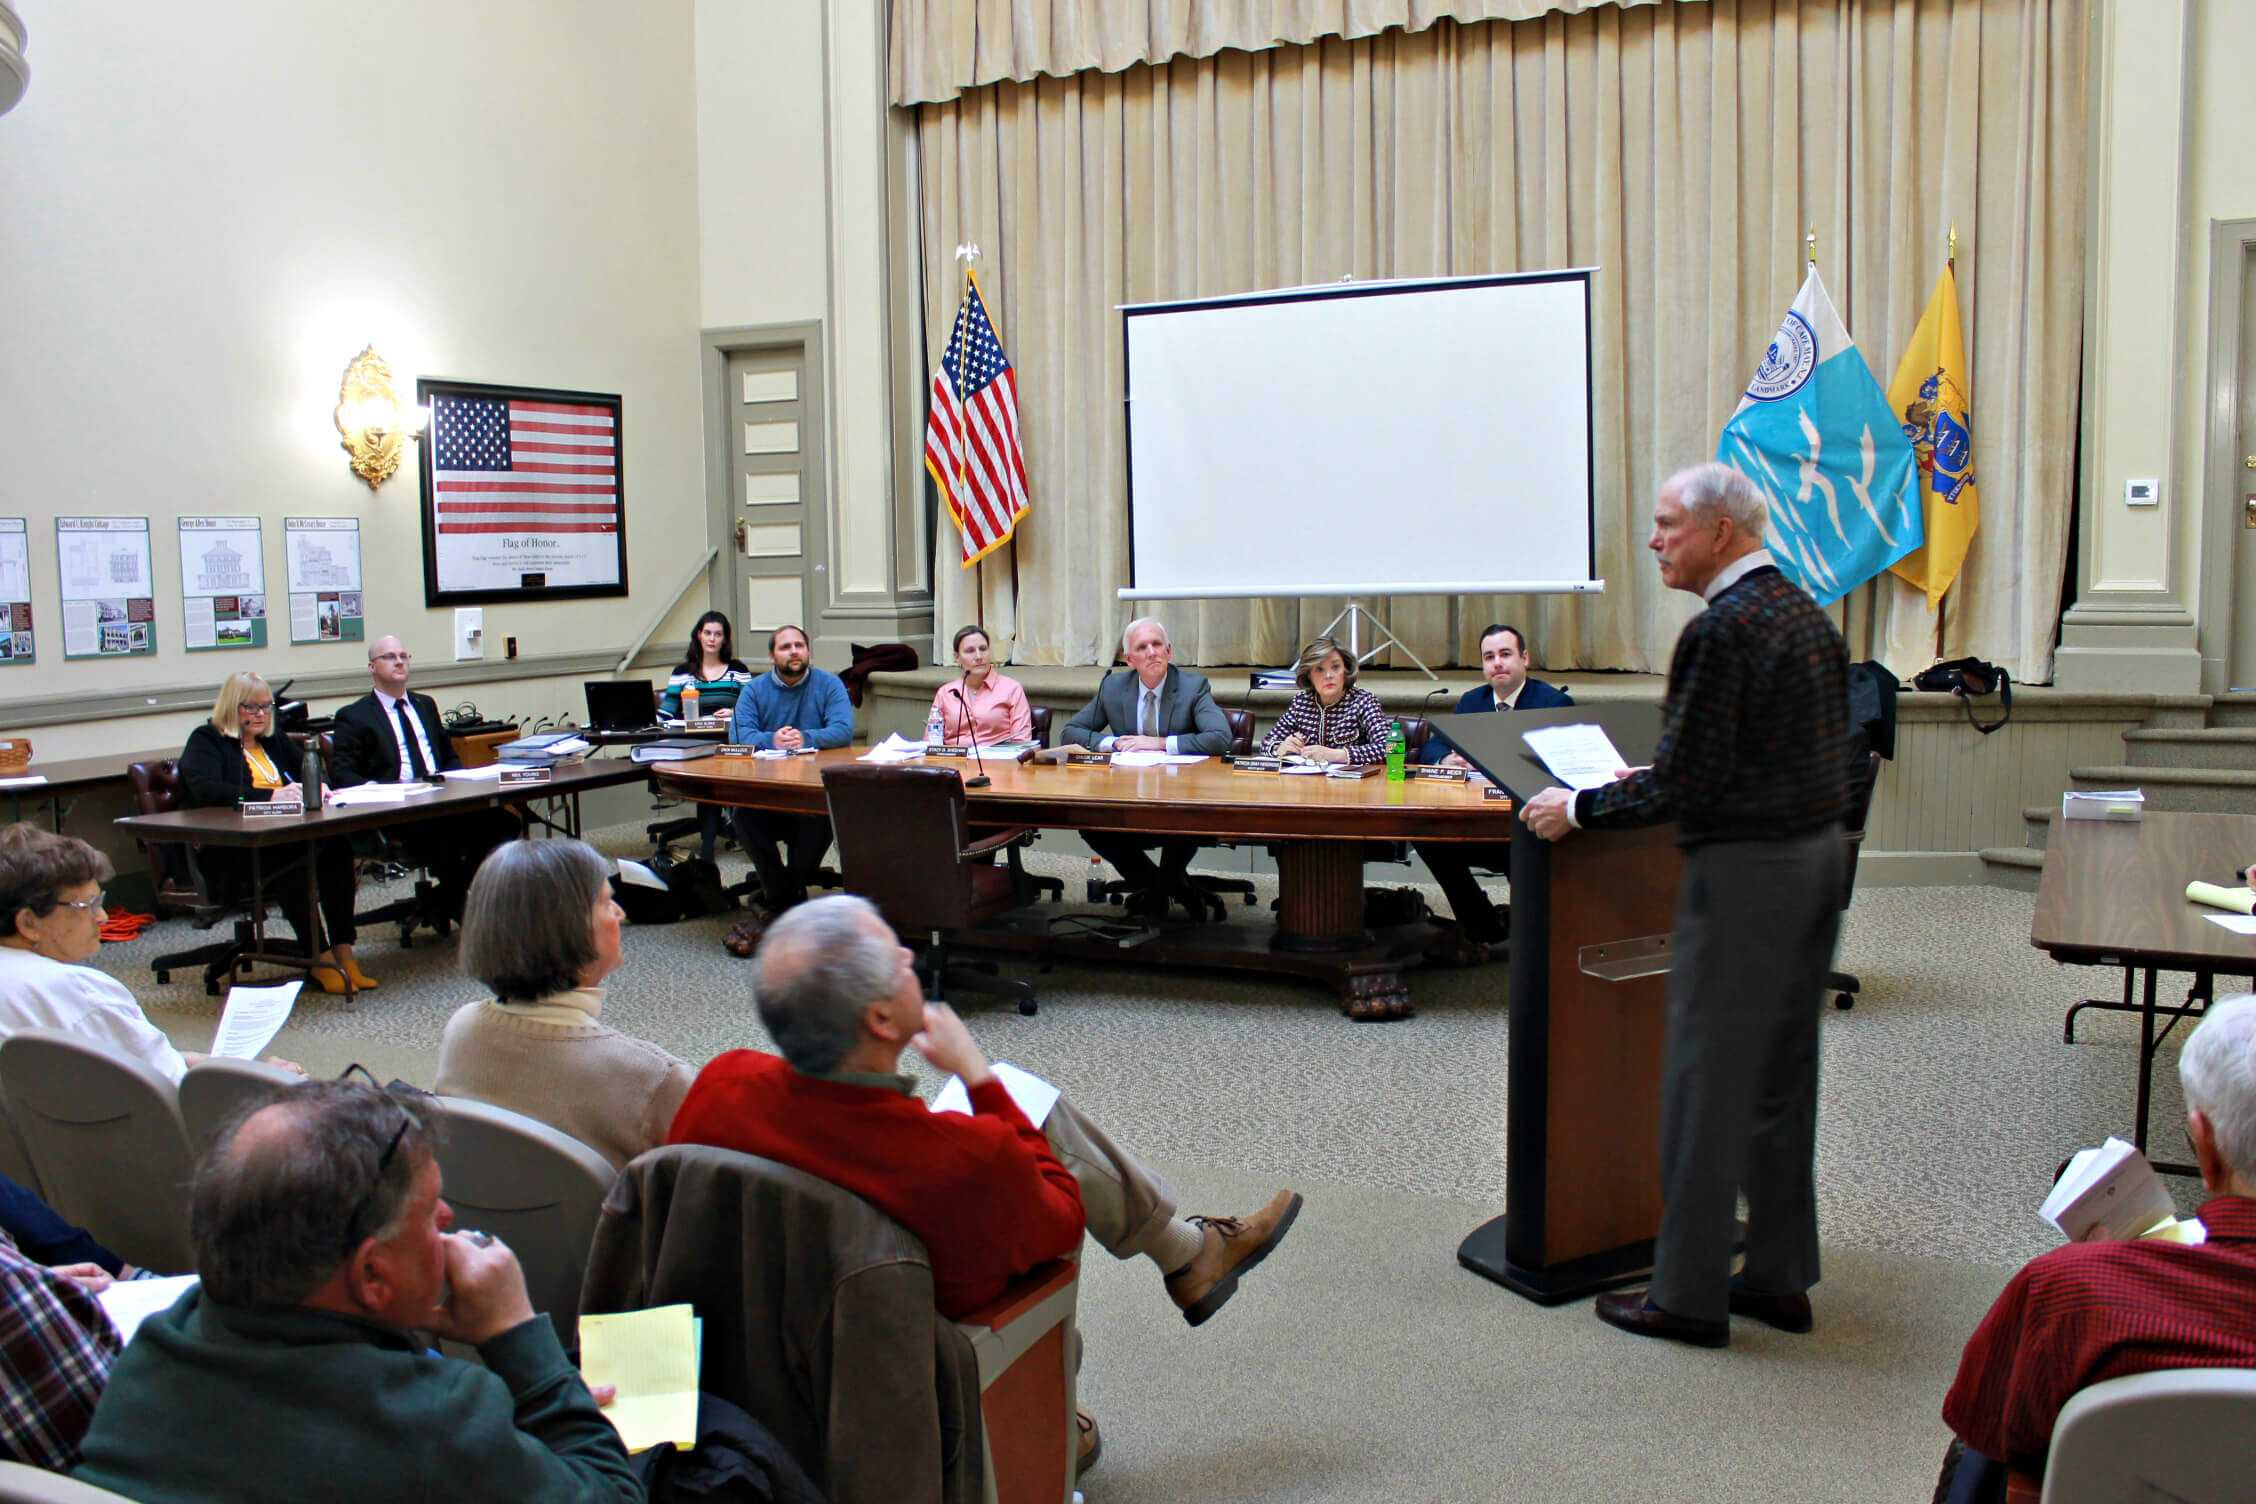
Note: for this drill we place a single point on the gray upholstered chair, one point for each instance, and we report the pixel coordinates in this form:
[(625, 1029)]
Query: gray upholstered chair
[(104, 1134), (215, 1090), (2184, 1433), (534, 1188), (20, 1484), (15, 1160)]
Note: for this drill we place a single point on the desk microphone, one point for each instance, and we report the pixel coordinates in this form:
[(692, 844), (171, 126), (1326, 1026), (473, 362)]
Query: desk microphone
[(972, 728)]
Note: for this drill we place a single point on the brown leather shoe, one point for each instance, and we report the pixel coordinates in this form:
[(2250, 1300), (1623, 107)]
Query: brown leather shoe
[(1091, 1445), (1233, 1246), (1634, 1311), (743, 937), (1788, 1310)]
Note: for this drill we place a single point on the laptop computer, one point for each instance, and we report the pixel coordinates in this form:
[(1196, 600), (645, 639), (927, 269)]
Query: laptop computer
[(620, 705)]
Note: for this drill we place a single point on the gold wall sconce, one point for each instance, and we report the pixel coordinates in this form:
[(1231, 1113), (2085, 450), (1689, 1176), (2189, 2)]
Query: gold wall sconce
[(376, 425)]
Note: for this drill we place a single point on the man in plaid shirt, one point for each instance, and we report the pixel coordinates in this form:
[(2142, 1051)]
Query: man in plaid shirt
[(1753, 766), (2105, 1308), (56, 1348)]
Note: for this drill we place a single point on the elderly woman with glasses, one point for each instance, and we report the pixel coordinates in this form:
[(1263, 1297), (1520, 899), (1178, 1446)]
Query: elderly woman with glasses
[(238, 755), (541, 932), (1330, 720)]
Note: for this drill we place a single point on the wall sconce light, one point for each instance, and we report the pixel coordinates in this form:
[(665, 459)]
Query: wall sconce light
[(376, 424)]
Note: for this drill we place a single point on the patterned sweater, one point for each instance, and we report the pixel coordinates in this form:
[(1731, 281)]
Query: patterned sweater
[(713, 695), (1357, 725), (1755, 731)]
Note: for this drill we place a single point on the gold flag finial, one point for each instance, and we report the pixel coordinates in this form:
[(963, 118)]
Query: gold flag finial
[(1812, 242), (1954, 245)]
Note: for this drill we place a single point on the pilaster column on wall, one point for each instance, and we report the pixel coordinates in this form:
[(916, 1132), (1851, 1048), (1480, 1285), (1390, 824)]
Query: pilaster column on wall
[(2131, 627), (880, 587)]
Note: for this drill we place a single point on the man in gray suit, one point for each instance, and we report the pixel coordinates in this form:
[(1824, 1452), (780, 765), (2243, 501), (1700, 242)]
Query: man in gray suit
[(1154, 707)]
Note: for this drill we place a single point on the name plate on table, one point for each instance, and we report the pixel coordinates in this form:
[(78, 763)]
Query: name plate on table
[(1494, 795), (257, 807), (511, 777), (946, 751), (1088, 759), (1435, 770), (735, 749), (1258, 765), (705, 723)]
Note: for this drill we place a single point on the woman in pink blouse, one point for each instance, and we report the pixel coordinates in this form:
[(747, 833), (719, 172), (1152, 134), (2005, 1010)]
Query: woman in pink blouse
[(996, 702)]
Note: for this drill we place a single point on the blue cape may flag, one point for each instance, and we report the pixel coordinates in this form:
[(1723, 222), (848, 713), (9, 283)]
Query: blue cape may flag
[(1817, 437)]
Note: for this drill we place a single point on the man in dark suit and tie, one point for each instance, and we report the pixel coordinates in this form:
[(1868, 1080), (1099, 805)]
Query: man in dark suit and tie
[(392, 735), (1504, 659), (1153, 707)]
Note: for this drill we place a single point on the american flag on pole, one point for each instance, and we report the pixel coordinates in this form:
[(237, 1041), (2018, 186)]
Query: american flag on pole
[(511, 466), (971, 443)]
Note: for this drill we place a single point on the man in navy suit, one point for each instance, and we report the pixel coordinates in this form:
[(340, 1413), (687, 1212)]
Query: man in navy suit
[(1156, 707), (1504, 660)]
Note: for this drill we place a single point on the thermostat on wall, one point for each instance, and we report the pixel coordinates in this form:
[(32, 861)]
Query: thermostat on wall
[(2142, 493)]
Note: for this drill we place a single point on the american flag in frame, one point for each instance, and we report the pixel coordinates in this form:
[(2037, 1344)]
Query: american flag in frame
[(524, 494)]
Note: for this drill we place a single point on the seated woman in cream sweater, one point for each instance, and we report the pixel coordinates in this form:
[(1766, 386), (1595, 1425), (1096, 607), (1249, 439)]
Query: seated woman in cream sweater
[(540, 929)]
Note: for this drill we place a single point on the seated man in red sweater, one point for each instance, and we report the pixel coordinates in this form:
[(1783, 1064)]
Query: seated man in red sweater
[(990, 1194), (2102, 1309)]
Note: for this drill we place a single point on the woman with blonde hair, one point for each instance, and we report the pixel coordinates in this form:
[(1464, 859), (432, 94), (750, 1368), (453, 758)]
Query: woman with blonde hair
[(238, 755), (1330, 720)]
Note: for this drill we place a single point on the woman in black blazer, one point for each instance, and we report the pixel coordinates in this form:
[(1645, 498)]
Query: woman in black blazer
[(238, 755)]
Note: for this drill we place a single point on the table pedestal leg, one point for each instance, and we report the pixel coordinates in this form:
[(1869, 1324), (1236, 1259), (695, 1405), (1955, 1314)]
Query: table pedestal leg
[(1320, 912)]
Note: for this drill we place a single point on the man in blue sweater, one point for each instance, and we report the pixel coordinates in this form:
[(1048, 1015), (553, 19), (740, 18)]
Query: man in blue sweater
[(798, 708), (1504, 661)]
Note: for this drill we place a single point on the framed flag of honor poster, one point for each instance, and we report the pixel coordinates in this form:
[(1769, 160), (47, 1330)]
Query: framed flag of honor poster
[(523, 495)]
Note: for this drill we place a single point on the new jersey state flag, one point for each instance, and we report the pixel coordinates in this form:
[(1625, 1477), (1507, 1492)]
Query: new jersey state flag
[(1928, 397), (1817, 437)]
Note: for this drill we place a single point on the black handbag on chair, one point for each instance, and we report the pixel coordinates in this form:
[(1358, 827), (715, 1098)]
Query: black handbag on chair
[(1966, 678)]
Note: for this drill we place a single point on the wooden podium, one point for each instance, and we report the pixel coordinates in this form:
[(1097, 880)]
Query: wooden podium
[(1592, 917)]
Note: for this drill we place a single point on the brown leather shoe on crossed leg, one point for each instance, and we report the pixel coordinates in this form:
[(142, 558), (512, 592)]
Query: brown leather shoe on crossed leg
[(1233, 1246)]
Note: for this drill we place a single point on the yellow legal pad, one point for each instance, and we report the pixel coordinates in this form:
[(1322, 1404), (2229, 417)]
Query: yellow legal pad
[(652, 1357)]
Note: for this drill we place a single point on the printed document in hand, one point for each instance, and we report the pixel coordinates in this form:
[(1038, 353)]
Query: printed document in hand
[(2111, 1186), (251, 1019), (1580, 756), (129, 1302), (652, 1357), (1034, 1096)]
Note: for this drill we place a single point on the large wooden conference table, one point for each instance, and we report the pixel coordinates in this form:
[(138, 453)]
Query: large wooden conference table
[(1317, 826)]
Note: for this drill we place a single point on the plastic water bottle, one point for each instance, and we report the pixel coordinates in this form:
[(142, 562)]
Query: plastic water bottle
[(1397, 754), (1096, 880), (935, 734), (689, 698)]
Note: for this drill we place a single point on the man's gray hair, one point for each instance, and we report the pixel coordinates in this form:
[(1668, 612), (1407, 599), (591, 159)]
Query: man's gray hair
[(1140, 622), (1715, 488), (2218, 1069), (270, 1223), (819, 966), (528, 925)]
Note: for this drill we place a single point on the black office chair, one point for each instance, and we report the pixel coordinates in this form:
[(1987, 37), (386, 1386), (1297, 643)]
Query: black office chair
[(421, 908), (182, 888), (1207, 886), (1841, 984)]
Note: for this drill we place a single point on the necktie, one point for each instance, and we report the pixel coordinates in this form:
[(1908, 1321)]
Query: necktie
[(408, 744), (1144, 712)]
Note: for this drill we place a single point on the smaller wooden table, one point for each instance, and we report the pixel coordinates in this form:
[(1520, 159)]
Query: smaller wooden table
[(2114, 895), (67, 778)]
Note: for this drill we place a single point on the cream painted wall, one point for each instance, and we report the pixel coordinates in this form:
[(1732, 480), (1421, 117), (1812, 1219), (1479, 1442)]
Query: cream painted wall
[(791, 113), (206, 210)]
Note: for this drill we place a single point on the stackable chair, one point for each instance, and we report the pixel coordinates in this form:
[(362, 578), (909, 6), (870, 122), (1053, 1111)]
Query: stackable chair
[(15, 1160), (216, 1089), (819, 1321), (23, 1484), (2182, 1434), (103, 1131), (536, 1189), (906, 847)]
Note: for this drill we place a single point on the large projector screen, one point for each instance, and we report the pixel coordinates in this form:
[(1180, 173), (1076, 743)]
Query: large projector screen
[(1393, 438)]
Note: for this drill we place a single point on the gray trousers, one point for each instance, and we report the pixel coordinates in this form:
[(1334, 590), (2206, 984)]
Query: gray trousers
[(1128, 1206), (1756, 923)]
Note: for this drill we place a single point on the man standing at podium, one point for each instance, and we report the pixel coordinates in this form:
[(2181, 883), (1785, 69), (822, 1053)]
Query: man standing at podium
[(1753, 766)]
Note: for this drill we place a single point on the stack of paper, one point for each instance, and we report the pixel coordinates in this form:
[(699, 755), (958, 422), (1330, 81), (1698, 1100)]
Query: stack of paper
[(652, 1358), (895, 748), (2103, 804), (2113, 1187), (379, 793), (1152, 759), (129, 1302), (490, 771), (1581, 756)]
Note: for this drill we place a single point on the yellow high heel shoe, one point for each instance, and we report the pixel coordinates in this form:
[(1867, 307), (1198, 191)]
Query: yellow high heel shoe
[(329, 979), (360, 979)]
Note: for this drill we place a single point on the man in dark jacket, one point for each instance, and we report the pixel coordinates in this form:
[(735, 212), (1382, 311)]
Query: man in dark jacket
[(294, 1371), (393, 735), (1504, 661), (1753, 768)]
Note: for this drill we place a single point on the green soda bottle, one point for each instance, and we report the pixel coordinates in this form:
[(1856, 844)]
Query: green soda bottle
[(1397, 753)]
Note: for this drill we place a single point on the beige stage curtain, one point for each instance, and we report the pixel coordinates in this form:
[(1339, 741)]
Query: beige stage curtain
[(1681, 149), (942, 47)]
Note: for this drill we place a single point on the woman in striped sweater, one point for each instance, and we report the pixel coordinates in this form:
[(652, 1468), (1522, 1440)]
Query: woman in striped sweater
[(711, 668)]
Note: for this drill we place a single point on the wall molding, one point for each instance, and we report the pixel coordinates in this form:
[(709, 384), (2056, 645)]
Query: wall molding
[(176, 699), (2230, 243)]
